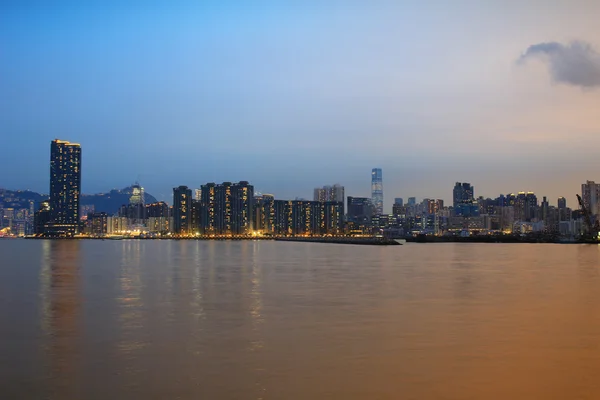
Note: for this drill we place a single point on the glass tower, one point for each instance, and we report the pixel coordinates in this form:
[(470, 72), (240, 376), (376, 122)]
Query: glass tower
[(377, 190), (65, 187)]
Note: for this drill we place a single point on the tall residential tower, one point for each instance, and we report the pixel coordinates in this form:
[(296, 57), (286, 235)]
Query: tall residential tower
[(65, 188)]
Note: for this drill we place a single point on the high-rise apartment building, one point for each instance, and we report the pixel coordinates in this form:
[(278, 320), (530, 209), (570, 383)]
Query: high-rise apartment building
[(301, 217), (226, 208), (182, 210), (377, 190), (590, 195), (330, 193), (562, 203), (65, 188)]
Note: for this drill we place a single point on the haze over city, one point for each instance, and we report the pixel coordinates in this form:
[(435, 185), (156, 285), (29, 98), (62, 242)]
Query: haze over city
[(291, 96)]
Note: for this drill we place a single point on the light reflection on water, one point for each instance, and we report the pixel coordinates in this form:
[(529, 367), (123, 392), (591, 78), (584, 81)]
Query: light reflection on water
[(266, 320)]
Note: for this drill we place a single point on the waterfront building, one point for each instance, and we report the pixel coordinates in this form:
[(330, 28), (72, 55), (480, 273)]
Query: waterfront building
[(196, 216), (302, 217), (182, 210), (208, 204), (359, 214), (98, 223), (160, 209), (41, 218), (158, 220), (590, 195), (263, 213), (226, 208), (65, 188), (377, 190)]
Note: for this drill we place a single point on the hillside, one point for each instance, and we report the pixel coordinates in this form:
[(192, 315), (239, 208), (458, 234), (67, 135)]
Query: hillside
[(102, 202)]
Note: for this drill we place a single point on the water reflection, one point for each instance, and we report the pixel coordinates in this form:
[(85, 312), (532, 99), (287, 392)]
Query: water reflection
[(130, 300), (62, 315), (184, 319)]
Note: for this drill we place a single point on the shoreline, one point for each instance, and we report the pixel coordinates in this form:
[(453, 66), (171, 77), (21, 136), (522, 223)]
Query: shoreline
[(372, 241)]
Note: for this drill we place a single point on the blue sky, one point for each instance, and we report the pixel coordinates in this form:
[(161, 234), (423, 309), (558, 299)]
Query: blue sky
[(293, 95)]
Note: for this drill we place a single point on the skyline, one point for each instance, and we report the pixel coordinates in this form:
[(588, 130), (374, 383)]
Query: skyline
[(293, 97), (376, 175)]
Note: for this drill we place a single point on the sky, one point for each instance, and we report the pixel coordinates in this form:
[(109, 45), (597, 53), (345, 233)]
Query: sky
[(292, 95)]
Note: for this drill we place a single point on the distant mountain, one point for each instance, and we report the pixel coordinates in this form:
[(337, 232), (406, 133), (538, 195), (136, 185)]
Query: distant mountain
[(103, 202), (111, 202), (18, 199)]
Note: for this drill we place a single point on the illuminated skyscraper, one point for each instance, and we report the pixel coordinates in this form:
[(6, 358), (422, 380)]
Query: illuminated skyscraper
[(65, 188), (226, 208), (136, 207), (377, 190), (137, 194), (182, 210)]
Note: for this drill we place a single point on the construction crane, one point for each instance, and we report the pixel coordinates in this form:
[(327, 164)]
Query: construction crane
[(592, 228)]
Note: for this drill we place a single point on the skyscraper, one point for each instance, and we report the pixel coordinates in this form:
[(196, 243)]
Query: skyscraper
[(137, 209), (463, 200), (360, 212), (590, 194), (65, 188), (399, 201), (462, 193), (182, 210), (377, 190), (333, 193), (226, 208)]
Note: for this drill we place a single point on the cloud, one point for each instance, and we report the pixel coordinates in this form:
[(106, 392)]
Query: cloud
[(576, 63)]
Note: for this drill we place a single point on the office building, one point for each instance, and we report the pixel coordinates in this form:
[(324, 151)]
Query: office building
[(463, 200), (399, 201), (562, 203), (377, 190), (65, 188), (397, 209), (359, 214), (182, 210), (462, 193), (412, 201)]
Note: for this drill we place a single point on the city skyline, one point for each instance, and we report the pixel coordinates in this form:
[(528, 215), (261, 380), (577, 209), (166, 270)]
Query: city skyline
[(234, 209), (336, 191), (403, 86)]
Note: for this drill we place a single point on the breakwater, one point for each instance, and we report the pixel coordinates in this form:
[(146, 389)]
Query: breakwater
[(372, 241)]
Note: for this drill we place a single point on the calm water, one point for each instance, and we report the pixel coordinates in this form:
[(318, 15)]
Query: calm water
[(267, 320)]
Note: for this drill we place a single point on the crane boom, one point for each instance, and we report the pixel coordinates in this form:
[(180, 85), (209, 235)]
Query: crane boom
[(592, 229)]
